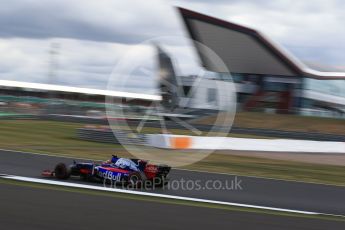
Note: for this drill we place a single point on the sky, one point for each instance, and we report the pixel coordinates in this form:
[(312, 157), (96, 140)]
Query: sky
[(90, 38)]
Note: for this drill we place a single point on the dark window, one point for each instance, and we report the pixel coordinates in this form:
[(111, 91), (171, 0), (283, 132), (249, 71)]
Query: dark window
[(186, 90)]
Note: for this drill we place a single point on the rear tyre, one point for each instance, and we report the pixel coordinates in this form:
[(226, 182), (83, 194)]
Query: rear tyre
[(62, 172)]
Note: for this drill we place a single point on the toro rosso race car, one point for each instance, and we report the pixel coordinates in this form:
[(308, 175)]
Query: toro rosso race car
[(130, 171)]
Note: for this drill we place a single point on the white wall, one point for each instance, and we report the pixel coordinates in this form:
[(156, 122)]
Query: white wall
[(225, 94), (246, 144)]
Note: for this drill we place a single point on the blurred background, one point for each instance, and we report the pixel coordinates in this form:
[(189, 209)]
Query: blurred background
[(56, 60)]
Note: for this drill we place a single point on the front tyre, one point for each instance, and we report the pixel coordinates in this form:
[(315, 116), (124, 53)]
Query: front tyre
[(160, 181), (135, 180)]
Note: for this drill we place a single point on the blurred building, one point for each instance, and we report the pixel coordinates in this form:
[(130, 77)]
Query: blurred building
[(191, 95), (35, 98), (267, 77)]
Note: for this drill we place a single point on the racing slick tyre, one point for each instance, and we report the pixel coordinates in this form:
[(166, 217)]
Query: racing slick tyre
[(160, 181), (134, 180), (61, 171)]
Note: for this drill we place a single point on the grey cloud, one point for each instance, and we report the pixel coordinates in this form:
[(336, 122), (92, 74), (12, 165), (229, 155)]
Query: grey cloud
[(90, 33), (79, 19)]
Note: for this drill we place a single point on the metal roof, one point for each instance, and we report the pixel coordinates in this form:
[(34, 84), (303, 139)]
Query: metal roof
[(245, 50), (70, 89)]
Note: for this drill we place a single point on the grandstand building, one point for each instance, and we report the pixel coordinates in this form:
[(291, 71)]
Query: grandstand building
[(267, 77)]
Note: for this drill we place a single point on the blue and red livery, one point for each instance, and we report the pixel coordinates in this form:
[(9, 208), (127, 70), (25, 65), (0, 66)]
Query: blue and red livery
[(116, 169)]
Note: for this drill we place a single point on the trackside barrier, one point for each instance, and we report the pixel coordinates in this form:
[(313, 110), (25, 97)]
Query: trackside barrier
[(170, 125), (107, 136), (169, 141), (228, 143)]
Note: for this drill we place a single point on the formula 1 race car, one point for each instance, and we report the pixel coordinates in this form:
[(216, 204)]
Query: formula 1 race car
[(129, 171)]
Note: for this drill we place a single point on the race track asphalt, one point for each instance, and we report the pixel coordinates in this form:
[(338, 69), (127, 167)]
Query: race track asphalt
[(255, 191), (36, 208)]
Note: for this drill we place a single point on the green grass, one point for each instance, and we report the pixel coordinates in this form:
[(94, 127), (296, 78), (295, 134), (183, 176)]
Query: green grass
[(167, 201), (59, 138), (285, 122), (51, 137)]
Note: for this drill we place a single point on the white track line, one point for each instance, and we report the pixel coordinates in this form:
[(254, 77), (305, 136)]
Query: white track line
[(75, 185)]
